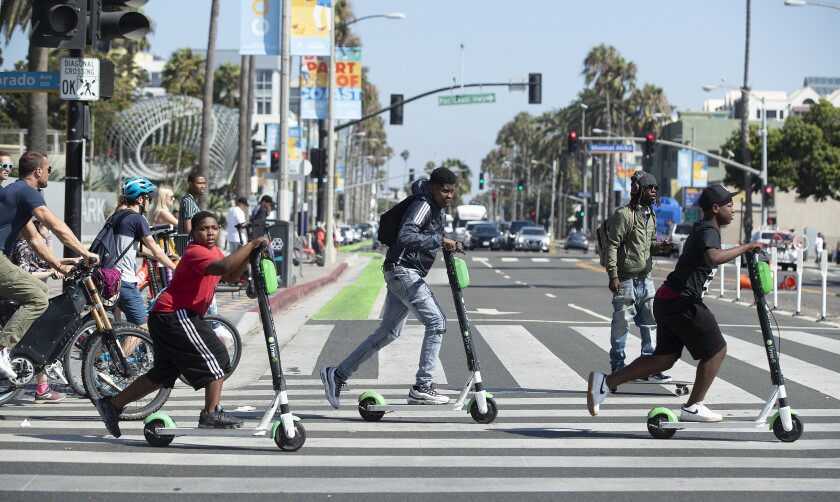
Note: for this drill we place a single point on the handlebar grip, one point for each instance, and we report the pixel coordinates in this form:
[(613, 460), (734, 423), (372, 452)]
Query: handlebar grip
[(163, 227)]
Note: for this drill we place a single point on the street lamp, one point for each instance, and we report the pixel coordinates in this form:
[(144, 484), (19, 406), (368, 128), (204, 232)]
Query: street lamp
[(802, 3), (764, 208), (330, 220)]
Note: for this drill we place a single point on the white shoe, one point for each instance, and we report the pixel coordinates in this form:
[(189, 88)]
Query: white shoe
[(597, 392), (6, 364), (425, 395), (699, 413)]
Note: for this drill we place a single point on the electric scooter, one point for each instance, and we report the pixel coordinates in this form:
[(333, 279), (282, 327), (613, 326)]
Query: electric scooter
[(663, 423), (482, 407), (288, 432)]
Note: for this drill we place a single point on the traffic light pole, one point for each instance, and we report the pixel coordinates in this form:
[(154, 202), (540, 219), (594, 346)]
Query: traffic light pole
[(74, 160)]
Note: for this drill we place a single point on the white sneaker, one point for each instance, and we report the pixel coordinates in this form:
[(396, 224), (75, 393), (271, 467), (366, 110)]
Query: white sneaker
[(6, 364), (699, 413), (597, 392), (425, 395)]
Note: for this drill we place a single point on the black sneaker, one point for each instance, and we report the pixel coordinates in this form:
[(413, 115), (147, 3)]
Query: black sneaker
[(657, 378), (425, 395), (110, 415), (332, 386), (218, 420)]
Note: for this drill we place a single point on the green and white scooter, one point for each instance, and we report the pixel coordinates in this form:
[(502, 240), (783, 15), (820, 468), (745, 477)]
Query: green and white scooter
[(663, 423), (481, 406), (288, 432)]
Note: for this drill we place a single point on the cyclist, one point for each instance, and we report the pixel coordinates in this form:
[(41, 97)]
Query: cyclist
[(6, 166), (19, 202), (185, 344), (133, 228)]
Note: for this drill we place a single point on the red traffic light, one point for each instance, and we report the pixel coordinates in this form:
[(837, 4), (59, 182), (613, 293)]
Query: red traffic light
[(573, 135), (768, 189), (651, 137), (275, 155)]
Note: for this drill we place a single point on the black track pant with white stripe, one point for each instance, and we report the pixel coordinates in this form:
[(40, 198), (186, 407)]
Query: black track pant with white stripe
[(185, 344)]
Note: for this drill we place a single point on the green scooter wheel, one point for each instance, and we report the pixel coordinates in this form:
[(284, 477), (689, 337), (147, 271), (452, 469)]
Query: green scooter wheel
[(152, 437), (290, 444), (364, 410), (655, 429)]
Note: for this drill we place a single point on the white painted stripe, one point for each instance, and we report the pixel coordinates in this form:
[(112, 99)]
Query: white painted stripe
[(540, 260), (721, 391), (422, 212), (590, 312), (570, 260), (398, 361), (550, 295), (200, 346), (509, 259), (300, 355), (214, 485), (825, 343), (507, 277), (404, 461), (531, 363), (795, 370)]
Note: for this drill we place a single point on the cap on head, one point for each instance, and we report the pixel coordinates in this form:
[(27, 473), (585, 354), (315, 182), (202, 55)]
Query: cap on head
[(646, 180), (242, 200), (715, 194)]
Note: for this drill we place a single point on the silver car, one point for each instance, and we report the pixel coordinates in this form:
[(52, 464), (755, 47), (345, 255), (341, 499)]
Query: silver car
[(531, 239)]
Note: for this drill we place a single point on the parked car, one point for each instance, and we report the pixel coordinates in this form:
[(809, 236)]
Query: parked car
[(485, 235), (464, 235), (508, 242), (531, 238), (677, 234), (577, 240), (784, 244)]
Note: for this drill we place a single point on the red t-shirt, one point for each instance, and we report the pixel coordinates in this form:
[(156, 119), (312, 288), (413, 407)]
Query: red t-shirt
[(189, 288)]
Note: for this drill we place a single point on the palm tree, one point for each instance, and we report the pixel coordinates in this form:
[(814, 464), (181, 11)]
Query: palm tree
[(226, 86), (745, 128), (184, 73), (464, 176), (207, 98), (243, 168)]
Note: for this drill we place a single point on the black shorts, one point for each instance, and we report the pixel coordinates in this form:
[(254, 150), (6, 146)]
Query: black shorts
[(185, 344), (681, 323)]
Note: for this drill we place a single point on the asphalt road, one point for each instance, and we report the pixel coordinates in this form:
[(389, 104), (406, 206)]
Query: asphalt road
[(540, 324)]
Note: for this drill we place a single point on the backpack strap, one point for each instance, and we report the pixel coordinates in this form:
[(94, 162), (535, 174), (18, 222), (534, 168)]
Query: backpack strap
[(117, 220)]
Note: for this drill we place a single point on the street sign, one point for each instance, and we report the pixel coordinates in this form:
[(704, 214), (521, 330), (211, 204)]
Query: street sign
[(29, 81), (296, 166), (610, 148), (584, 194), (467, 99), (79, 79)]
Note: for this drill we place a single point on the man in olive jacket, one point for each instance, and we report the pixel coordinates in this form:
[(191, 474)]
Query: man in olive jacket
[(630, 243)]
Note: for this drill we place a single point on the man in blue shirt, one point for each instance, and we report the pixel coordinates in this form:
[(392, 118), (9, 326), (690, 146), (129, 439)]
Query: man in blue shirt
[(19, 203)]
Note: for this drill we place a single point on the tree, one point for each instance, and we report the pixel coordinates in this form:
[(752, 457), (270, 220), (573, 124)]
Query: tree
[(464, 175), (207, 99), (226, 85), (184, 73)]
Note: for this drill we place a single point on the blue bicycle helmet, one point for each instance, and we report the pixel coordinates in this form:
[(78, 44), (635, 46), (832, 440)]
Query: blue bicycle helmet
[(137, 186)]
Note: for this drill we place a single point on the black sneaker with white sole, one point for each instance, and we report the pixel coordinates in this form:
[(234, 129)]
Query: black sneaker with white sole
[(218, 419), (110, 415), (332, 386), (425, 395)]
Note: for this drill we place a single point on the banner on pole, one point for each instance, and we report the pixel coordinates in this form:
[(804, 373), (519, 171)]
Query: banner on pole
[(259, 28), (311, 25), (314, 85)]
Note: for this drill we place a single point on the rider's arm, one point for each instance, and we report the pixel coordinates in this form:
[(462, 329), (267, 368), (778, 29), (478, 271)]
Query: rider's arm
[(62, 231), (156, 252), (715, 257), (232, 266), (39, 245)]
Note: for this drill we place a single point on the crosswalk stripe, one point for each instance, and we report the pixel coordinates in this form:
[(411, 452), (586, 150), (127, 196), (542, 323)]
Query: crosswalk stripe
[(398, 361), (530, 362), (404, 461), (300, 355), (721, 391), (824, 343), (214, 485), (795, 370)]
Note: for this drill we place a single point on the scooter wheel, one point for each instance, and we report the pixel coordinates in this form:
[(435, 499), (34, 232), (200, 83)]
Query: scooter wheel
[(152, 437), (293, 444), (486, 418), (364, 410), (682, 390), (791, 435), (655, 429)]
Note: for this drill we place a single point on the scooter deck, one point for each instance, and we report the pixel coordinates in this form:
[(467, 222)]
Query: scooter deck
[(678, 383), (417, 407), (194, 431), (714, 425)]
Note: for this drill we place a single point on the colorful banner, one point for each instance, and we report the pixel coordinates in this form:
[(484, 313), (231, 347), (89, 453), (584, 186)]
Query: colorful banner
[(259, 27), (295, 147), (684, 168), (310, 34), (314, 85), (691, 196), (700, 170), (692, 172), (623, 173)]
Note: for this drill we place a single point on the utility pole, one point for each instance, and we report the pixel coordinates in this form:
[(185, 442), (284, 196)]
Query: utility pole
[(283, 146)]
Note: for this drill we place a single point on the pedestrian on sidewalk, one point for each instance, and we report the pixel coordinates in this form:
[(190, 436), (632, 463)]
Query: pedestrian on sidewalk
[(819, 245), (159, 212), (263, 209), (235, 217), (683, 320), (630, 244), (406, 264), (185, 343), (196, 186)]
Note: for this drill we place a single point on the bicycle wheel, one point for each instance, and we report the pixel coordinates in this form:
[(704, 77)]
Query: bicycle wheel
[(230, 337), (102, 376), (8, 390), (74, 355)]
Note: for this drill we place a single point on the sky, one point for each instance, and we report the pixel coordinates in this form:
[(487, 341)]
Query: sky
[(677, 45)]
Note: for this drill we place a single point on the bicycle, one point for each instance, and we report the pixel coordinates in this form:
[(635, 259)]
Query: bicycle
[(45, 342), (303, 252)]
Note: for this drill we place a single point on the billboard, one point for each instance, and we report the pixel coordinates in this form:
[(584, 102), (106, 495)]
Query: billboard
[(259, 28), (311, 24), (692, 171)]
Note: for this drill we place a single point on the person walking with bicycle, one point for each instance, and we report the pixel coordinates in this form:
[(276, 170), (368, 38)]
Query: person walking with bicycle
[(19, 203), (185, 343), (130, 229)]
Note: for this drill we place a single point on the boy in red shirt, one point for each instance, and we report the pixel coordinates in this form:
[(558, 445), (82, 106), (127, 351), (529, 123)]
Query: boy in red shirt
[(184, 343)]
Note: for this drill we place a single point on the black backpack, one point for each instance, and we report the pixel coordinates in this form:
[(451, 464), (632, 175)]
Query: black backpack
[(105, 243), (389, 222)]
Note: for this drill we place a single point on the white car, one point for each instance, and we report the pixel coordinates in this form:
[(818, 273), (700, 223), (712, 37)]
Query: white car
[(784, 244)]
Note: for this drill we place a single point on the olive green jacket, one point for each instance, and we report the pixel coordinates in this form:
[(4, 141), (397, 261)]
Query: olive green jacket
[(630, 243)]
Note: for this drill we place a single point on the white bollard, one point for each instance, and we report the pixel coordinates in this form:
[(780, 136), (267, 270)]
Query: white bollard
[(721, 268), (800, 265), (774, 270), (738, 279), (824, 274)]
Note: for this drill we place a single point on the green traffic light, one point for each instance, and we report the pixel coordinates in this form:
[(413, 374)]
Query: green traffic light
[(520, 188), (582, 214)]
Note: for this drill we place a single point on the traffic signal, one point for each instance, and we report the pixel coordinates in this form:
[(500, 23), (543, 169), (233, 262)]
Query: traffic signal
[(318, 159), (116, 19), (581, 213), (534, 88), (481, 180), (494, 196), (521, 185), (411, 175), (769, 196), (573, 142), (650, 144), (59, 24), (396, 111), (275, 161), (533, 213)]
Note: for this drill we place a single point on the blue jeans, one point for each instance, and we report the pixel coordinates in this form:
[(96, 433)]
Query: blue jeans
[(131, 303), (634, 301), (407, 292)]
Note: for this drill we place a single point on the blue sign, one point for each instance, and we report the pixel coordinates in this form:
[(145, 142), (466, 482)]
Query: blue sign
[(29, 81), (610, 148), (584, 194), (259, 28)]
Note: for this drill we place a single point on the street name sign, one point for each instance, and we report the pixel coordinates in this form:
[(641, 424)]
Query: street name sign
[(584, 194), (610, 148), (467, 99), (79, 79), (29, 81)]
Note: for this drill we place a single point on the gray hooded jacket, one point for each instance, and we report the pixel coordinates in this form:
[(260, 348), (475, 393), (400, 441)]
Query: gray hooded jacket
[(421, 232)]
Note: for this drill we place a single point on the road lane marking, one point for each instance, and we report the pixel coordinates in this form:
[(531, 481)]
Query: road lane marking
[(590, 312), (550, 295)]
